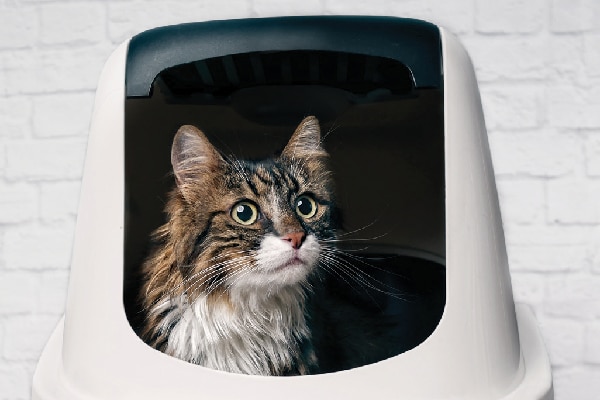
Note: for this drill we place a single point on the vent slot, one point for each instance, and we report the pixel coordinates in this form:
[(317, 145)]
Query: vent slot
[(357, 74)]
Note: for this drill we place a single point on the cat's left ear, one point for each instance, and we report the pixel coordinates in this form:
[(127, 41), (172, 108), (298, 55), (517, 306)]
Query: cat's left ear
[(306, 141), (193, 158)]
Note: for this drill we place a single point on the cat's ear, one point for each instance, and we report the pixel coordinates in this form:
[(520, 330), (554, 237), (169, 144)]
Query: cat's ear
[(306, 141), (192, 156)]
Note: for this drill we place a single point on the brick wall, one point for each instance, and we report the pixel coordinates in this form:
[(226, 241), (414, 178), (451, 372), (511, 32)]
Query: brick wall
[(538, 63)]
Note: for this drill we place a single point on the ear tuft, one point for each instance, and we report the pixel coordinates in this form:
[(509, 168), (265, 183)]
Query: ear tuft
[(192, 155), (306, 141)]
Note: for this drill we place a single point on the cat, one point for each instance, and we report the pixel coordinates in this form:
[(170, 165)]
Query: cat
[(231, 280)]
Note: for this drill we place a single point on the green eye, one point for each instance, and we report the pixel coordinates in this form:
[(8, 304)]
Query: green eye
[(306, 206), (244, 213)]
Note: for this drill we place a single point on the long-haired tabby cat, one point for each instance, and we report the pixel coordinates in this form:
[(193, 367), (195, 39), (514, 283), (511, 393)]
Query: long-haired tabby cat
[(227, 286)]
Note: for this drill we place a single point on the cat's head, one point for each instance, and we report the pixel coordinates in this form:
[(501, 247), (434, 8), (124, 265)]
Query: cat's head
[(249, 225)]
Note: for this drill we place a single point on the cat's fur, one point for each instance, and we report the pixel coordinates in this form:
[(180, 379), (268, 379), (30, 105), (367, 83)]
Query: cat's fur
[(229, 296)]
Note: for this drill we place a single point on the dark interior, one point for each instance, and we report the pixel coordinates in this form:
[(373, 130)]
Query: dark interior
[(386, 141)]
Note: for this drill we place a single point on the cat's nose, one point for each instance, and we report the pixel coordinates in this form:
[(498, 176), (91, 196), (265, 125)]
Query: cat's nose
[(296, 239)]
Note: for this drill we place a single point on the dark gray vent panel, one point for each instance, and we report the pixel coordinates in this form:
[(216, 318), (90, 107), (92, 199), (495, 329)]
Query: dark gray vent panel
[(223, 53)]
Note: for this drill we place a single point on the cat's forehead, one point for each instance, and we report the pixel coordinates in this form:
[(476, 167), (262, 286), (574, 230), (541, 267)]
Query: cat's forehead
[(263, 177)]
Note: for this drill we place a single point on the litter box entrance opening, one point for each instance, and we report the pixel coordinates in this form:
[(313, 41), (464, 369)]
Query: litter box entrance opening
[(385, 137)]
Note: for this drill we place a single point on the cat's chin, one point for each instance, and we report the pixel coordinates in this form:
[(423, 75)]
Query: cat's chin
[(287, 274), (290, 272), (289, 265)]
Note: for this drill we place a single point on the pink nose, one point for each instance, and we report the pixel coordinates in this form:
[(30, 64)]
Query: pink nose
[(295, 239)]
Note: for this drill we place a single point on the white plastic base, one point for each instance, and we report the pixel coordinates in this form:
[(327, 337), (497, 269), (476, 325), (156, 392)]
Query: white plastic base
[(49, 383)]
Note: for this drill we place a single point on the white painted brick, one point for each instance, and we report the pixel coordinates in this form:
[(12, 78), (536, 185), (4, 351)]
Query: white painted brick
[(591, 44), (574, 201), (128, 18), (566, 58), (15, 381), (15, 117), (565, 343), (573, 296), (577, 383), (509, 16), (573, 107), (48, 70), (268, 8), (54, 159), (457, 16), (594, 250), (72, 69), (547, 258), (552, 235), (3, 84), (18, 203), (592, 343), (375, 7), (523, 201), (19, 292), (2, 159), (18, 68), (3, 230), (73, 23), (18, 25), (53, 292), (25, 336), (508, 58), (59, 200), (528, 288), (234, 9), (38, 247), (65, 114), (541, 154), (511, 107), (569, 16), (592, 155)]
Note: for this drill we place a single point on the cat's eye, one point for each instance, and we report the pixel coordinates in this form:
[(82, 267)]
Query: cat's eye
[(244, 213), (306, 206)]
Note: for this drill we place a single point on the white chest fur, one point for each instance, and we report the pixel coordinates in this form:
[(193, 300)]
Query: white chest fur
[(253, 333)]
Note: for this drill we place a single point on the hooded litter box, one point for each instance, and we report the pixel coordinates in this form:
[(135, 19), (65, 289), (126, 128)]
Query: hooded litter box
[(402, 121)]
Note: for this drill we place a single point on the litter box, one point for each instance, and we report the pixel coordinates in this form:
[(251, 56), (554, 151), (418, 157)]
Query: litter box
[(402, 120)]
